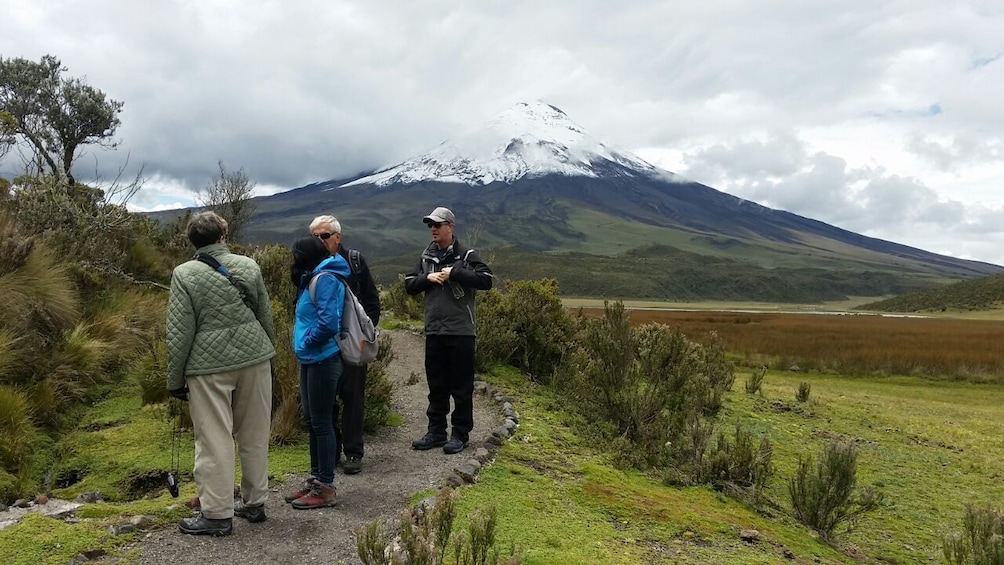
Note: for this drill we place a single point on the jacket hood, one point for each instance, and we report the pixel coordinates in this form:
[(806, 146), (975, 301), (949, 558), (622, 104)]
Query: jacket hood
[(335, 264)]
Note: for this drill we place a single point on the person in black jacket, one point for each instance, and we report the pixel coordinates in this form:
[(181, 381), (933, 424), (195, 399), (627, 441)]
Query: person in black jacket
[(352, 386), (449, 274)]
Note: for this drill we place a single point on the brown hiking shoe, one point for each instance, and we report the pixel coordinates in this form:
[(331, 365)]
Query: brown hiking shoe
[(320, 496), (307, 486)]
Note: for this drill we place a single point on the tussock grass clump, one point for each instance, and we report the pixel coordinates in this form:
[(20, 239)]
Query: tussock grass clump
[(823, 493), (16, 435), (150, 373), (982, 540)]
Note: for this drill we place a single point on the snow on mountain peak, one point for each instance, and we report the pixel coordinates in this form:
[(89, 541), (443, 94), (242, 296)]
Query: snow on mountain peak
[(527, 140)]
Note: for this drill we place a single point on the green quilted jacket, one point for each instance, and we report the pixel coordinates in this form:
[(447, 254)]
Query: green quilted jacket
[(209, 329)]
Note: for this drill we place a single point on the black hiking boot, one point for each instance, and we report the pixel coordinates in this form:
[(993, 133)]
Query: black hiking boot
[(428, 441), (202, 526), (455, 445), (353, 465), (252, 514)]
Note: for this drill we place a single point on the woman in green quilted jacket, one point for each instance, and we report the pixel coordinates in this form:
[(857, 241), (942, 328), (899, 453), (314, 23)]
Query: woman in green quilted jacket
[(220, 339)]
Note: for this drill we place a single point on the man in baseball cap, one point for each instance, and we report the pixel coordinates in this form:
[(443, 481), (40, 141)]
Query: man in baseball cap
[(449, 274)]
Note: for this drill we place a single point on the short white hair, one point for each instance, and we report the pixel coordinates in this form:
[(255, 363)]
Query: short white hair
[(335, 226)]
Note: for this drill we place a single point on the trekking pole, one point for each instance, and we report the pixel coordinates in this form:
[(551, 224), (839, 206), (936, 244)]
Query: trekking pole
[(175, 471)]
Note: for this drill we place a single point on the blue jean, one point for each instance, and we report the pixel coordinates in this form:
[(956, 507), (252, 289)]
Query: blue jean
[(318, 389)]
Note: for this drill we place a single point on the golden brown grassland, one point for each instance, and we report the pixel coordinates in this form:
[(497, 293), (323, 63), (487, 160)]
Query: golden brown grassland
[(853, 344)]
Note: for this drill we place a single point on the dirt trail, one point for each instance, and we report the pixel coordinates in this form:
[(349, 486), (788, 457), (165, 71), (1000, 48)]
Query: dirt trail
[(392, 471)]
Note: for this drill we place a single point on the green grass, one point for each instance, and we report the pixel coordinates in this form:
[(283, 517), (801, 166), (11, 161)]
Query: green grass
[(563, 501), (929, 446)]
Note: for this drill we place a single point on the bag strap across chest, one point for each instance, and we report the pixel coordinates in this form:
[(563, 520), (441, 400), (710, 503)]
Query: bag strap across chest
[(219, 268)]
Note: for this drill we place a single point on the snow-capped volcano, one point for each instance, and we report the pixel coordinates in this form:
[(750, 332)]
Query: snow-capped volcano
[(527, 140)]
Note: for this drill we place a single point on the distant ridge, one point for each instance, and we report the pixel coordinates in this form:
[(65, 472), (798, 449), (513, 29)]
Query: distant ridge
[(986, 293)]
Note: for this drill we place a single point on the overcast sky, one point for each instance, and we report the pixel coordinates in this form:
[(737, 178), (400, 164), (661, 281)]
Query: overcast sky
[(882, 117)]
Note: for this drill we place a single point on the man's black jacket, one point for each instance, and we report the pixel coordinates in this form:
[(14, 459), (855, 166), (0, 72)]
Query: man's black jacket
[(361, 284)]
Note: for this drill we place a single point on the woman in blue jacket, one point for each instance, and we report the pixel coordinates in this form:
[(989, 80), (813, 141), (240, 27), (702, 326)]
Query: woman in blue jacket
[(320, 297)]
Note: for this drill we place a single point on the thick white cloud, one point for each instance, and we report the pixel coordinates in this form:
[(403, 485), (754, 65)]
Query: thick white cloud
[(882, 117)]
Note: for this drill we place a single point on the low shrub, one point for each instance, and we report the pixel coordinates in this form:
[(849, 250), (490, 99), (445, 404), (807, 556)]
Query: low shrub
[(823, 493), (804, 389), (740, 466), (982, 540), (754, 382), (424, 539)]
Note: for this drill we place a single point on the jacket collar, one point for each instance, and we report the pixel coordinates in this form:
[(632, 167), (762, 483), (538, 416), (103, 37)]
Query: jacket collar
[(213, 249)]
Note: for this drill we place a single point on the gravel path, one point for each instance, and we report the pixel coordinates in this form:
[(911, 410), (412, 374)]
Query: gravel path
[(392, 471)]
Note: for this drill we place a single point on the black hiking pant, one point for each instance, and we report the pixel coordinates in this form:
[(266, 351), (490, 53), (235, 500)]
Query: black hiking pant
[(449, 370), (352, 393)]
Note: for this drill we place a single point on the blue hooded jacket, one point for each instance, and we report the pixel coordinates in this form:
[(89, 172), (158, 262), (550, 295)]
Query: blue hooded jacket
[(317, 324)]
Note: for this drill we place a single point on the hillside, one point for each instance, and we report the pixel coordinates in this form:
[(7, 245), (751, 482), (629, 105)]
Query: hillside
[(984, 293)]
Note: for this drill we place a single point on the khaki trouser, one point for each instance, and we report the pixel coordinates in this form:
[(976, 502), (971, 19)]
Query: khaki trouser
[(235, 405)]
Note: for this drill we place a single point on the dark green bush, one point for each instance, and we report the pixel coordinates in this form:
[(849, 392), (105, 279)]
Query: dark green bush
[(379, 388), (823, 494), (652, 385), (287, 414), (525, 326), (982, 540), (397, 302), (275, 261)]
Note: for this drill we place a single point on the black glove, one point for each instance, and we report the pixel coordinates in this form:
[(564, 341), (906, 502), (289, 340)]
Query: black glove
[(179, 393)]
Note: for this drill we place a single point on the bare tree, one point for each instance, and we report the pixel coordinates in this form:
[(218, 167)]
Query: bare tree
[(230, 196), (53, 115)]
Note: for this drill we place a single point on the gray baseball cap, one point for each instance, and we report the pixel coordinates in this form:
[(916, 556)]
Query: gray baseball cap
[(440, 215)]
